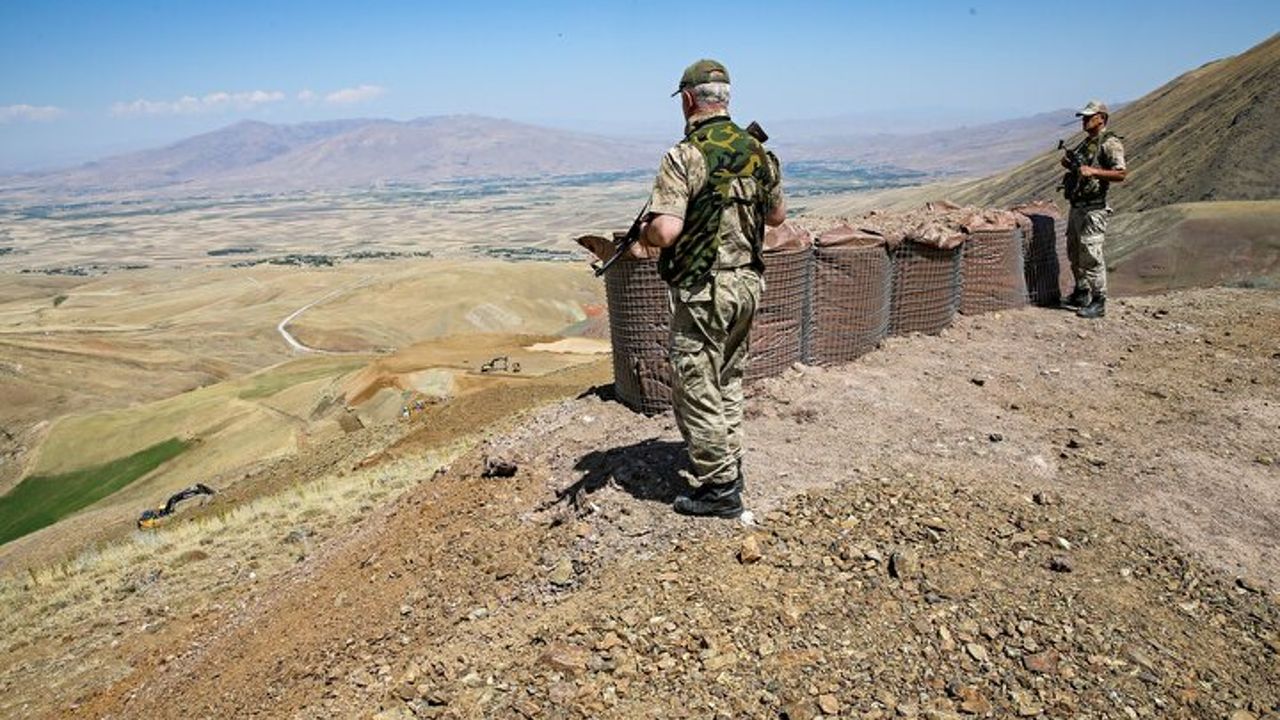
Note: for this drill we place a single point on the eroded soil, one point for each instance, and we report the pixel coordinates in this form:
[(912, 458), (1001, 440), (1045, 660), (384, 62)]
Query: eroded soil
[(1029, 515)]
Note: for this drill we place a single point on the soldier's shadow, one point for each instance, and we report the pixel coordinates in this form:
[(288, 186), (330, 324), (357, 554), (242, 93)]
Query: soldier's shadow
[(647, 470)]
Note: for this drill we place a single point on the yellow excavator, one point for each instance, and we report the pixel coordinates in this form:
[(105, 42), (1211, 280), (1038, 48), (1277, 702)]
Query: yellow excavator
[(151, 519)]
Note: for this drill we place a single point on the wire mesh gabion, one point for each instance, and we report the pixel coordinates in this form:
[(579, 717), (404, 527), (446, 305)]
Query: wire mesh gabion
[(1048, 269), (639, 331), (992, 273), (926, 288), (778, 332), (850, 302)]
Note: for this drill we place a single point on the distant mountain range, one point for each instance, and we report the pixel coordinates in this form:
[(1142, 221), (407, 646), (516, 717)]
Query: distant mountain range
[(259, 157), (256, 156)]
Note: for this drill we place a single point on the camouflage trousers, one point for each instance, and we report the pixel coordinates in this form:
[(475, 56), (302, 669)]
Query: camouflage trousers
[(710, 328), (1086, 229)]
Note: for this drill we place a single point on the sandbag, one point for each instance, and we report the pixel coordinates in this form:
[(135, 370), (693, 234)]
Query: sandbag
[(787, 236)]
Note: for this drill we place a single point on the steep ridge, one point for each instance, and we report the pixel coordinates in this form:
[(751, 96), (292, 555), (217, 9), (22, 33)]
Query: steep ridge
[(1211, 134)]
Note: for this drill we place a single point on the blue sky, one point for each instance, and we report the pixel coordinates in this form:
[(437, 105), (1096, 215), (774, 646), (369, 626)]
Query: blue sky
[(80, 80)]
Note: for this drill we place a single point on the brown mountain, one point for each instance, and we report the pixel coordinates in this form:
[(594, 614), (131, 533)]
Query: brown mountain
[(1211, 134), (254, 156)]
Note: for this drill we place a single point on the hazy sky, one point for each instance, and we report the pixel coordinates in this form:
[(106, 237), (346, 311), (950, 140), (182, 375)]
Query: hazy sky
[(79, 80)]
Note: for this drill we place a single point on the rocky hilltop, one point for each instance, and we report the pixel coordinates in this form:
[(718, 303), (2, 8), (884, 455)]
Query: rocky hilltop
[(1025, 516)]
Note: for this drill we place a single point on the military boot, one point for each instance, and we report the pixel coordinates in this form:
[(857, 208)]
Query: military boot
[(722, 500), (1077, 299), (1095, 309)]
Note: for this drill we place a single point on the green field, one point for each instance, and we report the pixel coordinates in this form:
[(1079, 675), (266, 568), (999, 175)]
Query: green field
[(269, 383), (42, 500)]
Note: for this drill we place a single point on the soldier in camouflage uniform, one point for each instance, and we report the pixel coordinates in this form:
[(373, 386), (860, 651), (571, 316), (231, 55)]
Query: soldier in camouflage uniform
[(1101, 158), (714, 193)]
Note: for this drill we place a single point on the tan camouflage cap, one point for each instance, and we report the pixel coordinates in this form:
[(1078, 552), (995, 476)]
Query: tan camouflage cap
[(1093, 108), (703, 71)]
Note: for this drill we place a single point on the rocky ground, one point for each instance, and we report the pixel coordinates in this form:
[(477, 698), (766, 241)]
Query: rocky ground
[(1030, 515)]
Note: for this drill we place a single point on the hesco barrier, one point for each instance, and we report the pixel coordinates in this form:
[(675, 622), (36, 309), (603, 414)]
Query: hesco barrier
[(639, 330), (778, 332), (850, 308), (926, 288), (1048, 269), (833, 302), (991, 273)]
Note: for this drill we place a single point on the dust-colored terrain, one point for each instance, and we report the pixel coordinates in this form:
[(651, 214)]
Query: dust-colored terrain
[(1028, 515), (124, 361)]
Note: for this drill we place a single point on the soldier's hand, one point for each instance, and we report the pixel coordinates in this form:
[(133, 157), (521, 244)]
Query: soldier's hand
[(1087, 171)]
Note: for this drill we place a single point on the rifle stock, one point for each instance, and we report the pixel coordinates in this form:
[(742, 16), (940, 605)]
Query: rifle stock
[(633, 234)]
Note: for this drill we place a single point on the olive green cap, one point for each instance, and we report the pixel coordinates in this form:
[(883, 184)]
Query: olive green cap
[(1094, 107), (703, 71)]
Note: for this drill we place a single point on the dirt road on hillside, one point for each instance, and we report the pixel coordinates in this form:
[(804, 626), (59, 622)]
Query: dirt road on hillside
[(1030, 515)]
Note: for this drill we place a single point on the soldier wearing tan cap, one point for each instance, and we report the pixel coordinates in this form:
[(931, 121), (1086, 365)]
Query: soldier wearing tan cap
[(1100, 160), (715, 192)]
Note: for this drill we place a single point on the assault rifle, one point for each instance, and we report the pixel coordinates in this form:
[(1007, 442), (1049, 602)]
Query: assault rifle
[(633, 234), (1071, 178)]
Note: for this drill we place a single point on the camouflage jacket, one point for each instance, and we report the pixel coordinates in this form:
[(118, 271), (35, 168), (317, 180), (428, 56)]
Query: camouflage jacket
[(1104, 151), (721, 182)]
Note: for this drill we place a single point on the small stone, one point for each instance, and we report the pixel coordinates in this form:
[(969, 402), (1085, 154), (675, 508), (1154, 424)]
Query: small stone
[(1252, 584), (829, 704), (749, 551), (976, 651), (498, 467), (562, 693), (996, 437), (1060, 563), (716, 663), (1025, 704), (1044, 497), (1044, 663), (978, 381), (562, 574), (904, 564), (1241, 715), (565, 658), (799, 710), (1265, 460), (973, 702)]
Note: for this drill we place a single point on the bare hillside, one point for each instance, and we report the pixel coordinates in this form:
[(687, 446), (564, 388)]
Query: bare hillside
[(1211, 134), (1027, 515), (258, 157)]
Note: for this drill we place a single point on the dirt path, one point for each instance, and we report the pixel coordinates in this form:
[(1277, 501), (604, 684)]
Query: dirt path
[(1030, 515), (282, 326)]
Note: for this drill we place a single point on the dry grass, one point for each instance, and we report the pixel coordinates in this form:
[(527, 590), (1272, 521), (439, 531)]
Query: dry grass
[(108, 598)]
